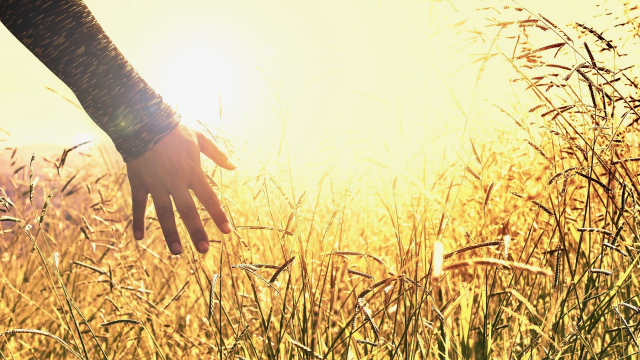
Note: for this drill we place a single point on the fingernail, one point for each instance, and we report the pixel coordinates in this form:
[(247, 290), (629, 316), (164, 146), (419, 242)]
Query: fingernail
[(176, 248), (232, 164), (138, 235), (203, 246), (226, 228)]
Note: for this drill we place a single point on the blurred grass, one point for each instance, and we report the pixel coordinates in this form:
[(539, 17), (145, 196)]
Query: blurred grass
[(77, 284)]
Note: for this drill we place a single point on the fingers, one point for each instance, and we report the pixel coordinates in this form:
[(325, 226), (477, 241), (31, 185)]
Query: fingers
[(208, 198), (191, 219), (139, 196), (164, 210), (213, 152)]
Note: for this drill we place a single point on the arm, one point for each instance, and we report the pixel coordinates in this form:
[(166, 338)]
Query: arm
[(65, 37), (162, 156)]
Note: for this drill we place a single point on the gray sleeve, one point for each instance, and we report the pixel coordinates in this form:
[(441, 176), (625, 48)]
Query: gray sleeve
[(65, 37)]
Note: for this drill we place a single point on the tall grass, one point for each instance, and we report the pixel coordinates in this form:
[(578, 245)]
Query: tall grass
[(535, 240)]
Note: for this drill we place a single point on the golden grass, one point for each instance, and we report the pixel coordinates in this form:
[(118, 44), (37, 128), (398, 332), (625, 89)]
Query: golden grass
[(526, 281)]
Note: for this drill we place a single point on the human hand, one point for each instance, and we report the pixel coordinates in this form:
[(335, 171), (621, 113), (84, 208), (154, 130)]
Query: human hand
[(169, 170)]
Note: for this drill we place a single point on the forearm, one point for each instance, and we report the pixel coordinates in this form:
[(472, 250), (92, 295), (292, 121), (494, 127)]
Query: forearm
[(65, 36)]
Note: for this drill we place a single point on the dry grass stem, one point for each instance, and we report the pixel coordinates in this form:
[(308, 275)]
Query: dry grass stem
[(121, 321), (289, 233), (212, 293), (472, 247), (600, 272), (495, 262), (473, 173), (358, 273), (595, 230), (281, 269)]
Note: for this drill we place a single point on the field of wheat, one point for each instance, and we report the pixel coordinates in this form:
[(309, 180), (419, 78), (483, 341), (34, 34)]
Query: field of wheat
[(524, 247)]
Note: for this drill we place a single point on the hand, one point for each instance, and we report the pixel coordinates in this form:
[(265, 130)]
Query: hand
[(169, 170)]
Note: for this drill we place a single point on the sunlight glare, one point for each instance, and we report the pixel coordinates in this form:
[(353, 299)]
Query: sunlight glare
[(196, 81)]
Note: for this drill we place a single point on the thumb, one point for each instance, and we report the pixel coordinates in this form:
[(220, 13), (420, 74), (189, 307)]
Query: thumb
[(212, 150)]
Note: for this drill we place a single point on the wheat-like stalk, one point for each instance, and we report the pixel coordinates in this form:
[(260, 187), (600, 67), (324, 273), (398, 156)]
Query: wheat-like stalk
[(518, 195), (367, 317), (286, 198), (561, 173), (43, 213), (623, 198), (626, 325), (356, 253), (366, 342), (359, 306), (31, 184), (212, 293), (256, 227), (612, 247), (597, 35), (281, 269), (630, 307), (488, 196), (473, 173), (538, 150), (90, 267), (267, 282), (236, 342), (617, 234), (495, 262), (43, 333), (358, 273), (565, 186), (600, 272), (438, 314), (556, 273), (472, 247), (475, 151), (634, 159), (121, 321), (555, 177), (176, 296), (595, 181), (305, 349), (542, 207), (247, 266), (595, 230), (548, 47), (265, 266)]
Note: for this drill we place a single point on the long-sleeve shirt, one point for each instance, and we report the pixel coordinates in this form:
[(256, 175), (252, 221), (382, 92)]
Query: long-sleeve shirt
[(67, 39)]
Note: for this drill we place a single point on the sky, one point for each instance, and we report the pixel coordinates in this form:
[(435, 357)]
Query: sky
[(380, 72)]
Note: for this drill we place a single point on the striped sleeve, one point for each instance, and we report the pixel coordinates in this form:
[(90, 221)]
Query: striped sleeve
[(67, 39)]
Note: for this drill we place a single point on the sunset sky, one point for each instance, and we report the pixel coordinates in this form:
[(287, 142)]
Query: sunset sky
[(365, 67)]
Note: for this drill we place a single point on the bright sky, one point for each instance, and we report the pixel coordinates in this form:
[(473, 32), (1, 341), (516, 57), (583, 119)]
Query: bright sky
[(366, 67)]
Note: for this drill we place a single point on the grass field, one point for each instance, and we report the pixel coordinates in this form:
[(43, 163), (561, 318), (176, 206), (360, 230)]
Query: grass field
[(524, 246)]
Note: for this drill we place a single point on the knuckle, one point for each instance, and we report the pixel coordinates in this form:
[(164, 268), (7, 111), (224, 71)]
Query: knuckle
[(210, 199), (190, 212), (139, 204), (164, 212)]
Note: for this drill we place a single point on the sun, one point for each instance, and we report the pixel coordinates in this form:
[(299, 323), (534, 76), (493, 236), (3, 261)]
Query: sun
[(197, 79), (194, 65)]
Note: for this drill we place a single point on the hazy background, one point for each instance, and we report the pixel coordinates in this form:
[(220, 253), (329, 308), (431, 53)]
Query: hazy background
[(362, 72)]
